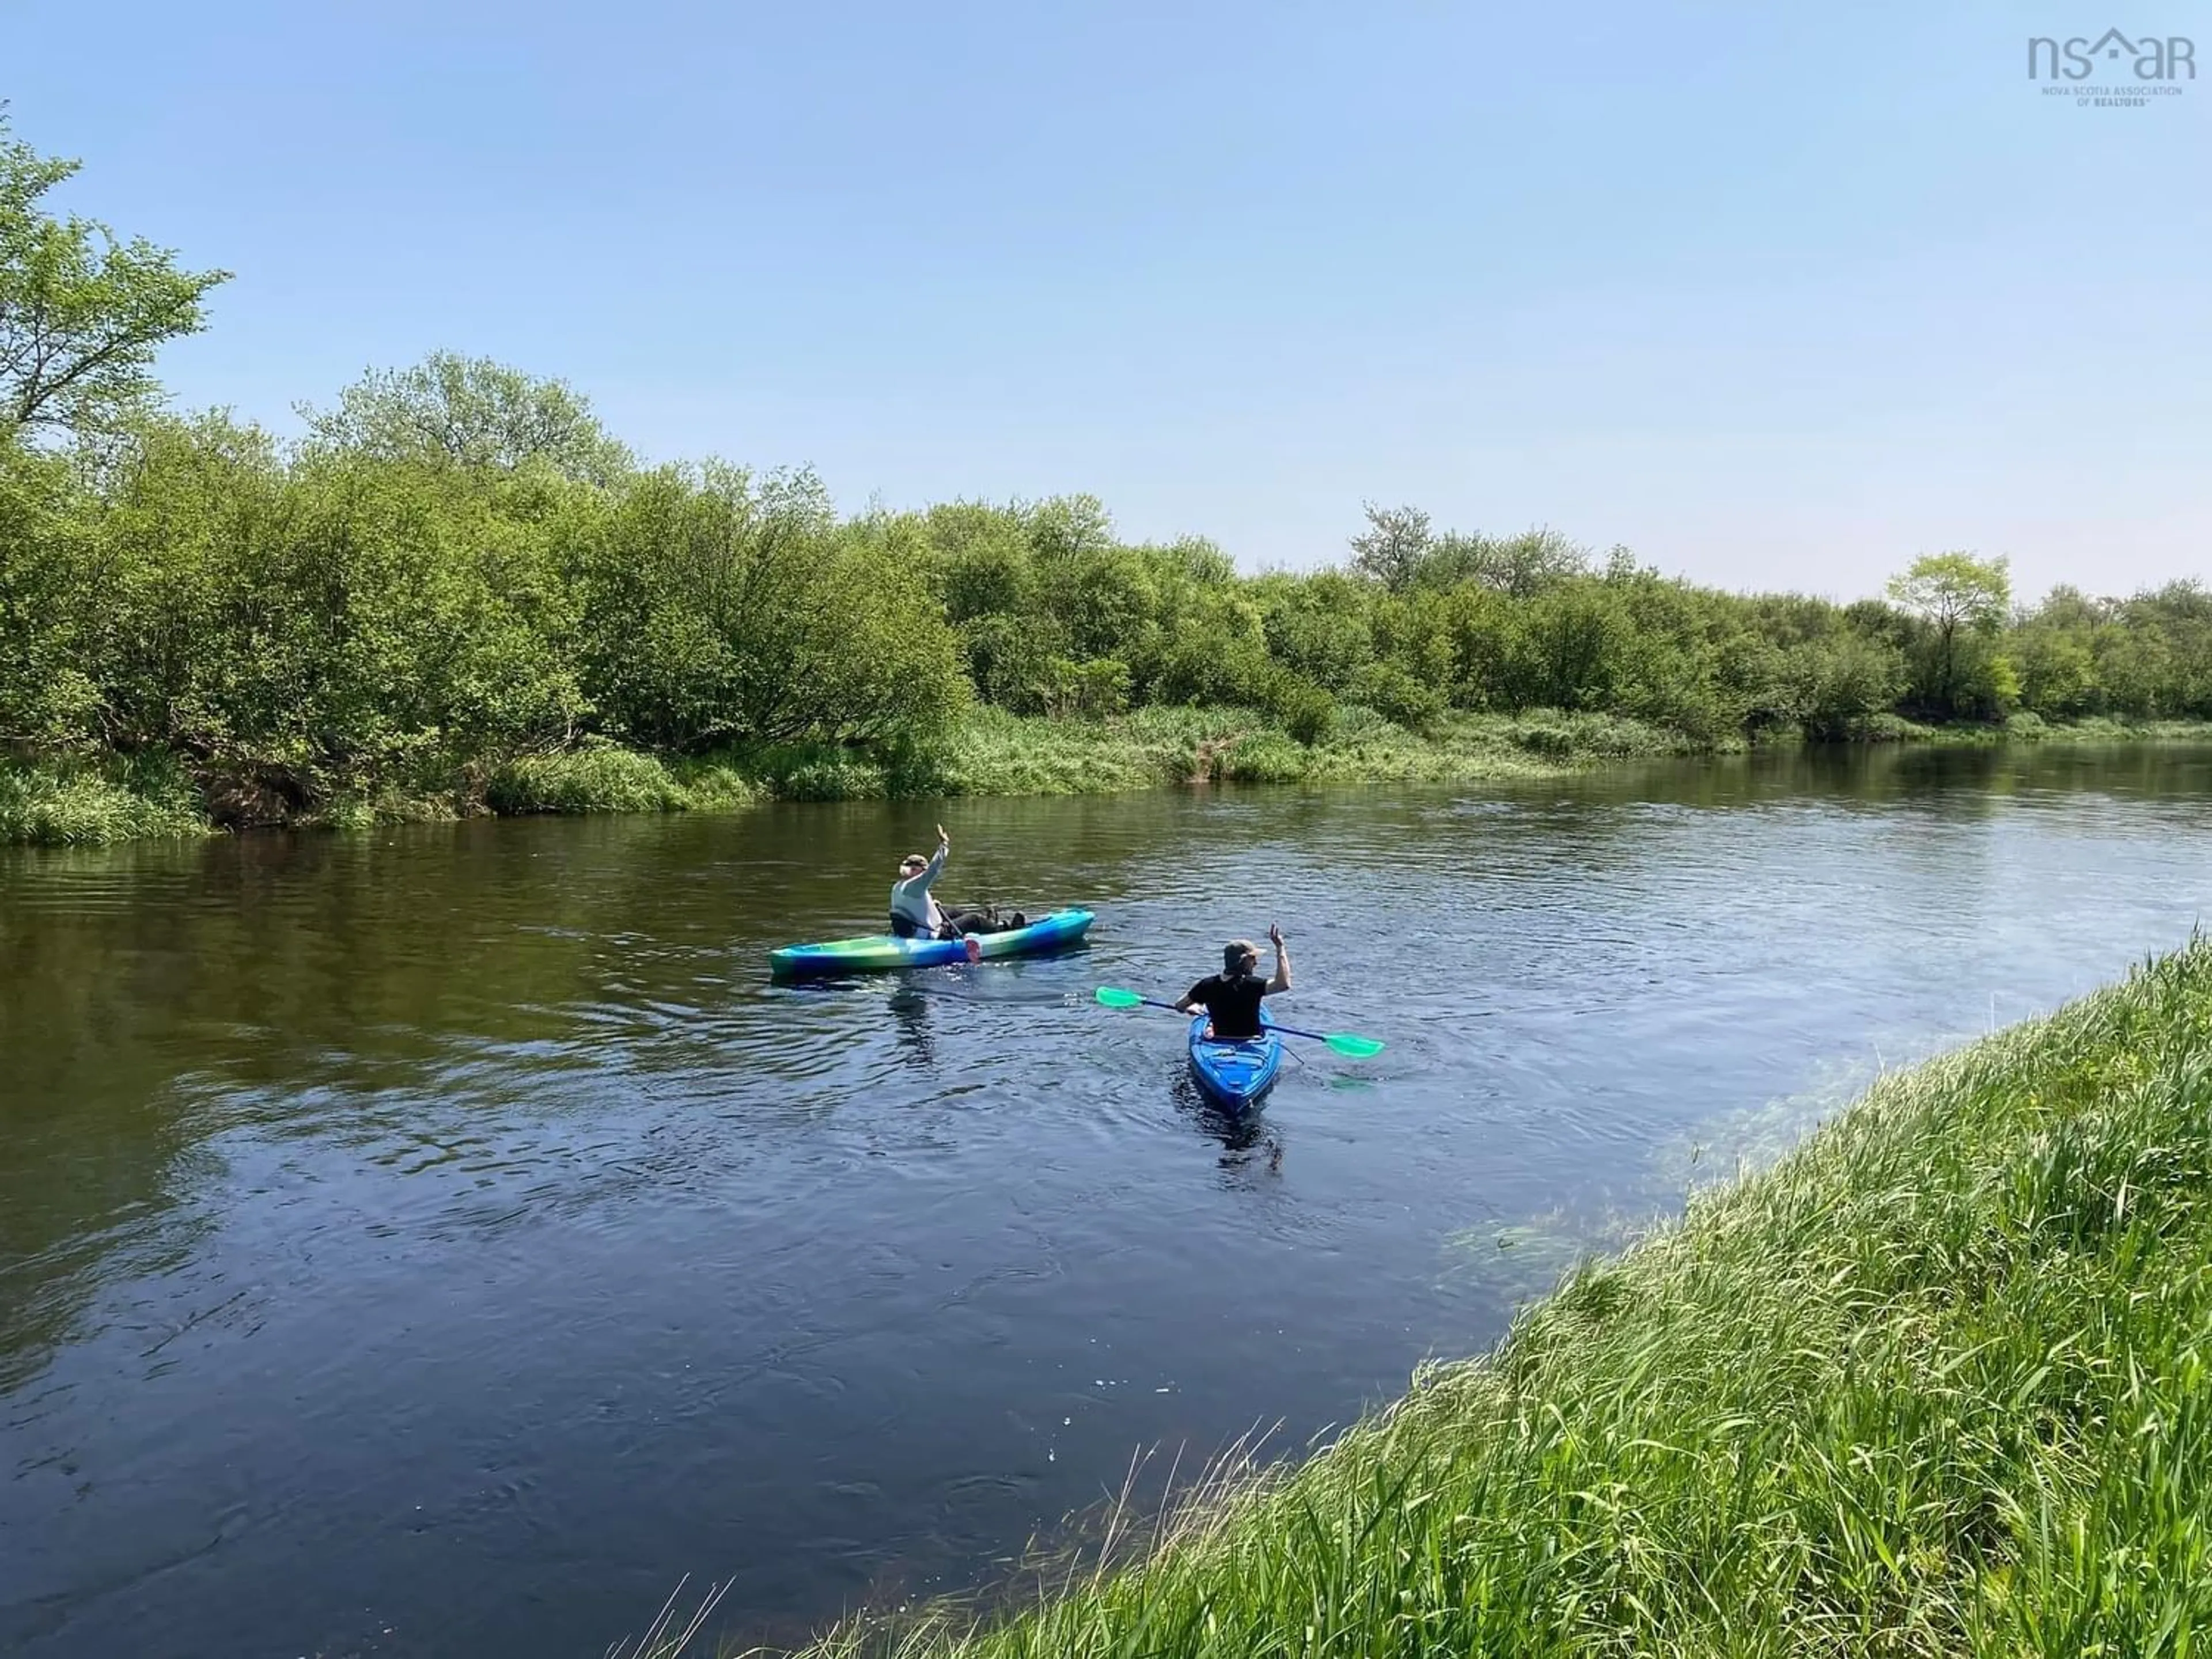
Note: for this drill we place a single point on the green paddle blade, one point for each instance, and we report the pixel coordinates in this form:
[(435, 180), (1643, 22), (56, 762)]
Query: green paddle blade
[(1118, 999), (1353, 1048)]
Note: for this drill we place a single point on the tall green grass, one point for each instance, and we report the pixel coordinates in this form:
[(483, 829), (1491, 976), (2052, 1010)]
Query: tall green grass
[(2027, 727), (1938, 1383), (987, 752), (994, 753), (65, 802), (595, 780)]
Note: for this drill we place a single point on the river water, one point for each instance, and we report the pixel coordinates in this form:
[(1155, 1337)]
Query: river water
[(443, 1240)]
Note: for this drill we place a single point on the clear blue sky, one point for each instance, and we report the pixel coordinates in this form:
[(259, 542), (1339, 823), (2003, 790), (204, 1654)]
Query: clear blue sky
[(1779, 296)]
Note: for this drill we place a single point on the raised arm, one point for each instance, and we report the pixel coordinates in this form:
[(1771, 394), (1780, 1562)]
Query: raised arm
[(936, 860), (1282, 979)]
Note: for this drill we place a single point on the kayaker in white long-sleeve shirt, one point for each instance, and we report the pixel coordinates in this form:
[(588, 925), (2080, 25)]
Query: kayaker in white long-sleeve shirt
[(915, 913)]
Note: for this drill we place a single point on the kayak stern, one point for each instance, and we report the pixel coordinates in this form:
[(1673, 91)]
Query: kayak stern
[(1234, 1075)]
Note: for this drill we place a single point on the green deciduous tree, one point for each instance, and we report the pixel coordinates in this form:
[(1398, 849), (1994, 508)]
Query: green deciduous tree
[(1087, 690), (1109, 604), (82, 314), (1067, 527), (473, 413), (1953, 592), (1216, 653), (1519, 566), (2057, 669), (721, 607), (48, 602), (1573, 647), (983, 563), (325, 625), (1394, 694), (1317, 626), (1394, 545), (1009, 658), (1840, 681), (2179, 614)]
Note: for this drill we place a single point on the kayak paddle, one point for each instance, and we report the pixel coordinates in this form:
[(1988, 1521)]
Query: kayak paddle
[(1344, 1042)]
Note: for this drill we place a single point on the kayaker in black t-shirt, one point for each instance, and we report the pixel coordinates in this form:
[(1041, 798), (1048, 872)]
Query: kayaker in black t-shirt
[(1232, 997)]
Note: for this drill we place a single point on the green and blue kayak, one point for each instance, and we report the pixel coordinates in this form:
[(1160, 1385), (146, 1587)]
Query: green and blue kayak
[(885, 953)]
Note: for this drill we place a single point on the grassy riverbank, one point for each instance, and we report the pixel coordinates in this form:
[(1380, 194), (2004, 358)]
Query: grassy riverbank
[(1938, 1383), (101, 798), (94, 802), (989, 752)]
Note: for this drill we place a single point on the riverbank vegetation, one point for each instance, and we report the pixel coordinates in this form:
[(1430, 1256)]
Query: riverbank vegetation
[(455, 592), (1937, 1383)]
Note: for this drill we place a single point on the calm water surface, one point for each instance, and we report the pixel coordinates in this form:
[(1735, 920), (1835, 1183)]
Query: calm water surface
[(442, 1241)]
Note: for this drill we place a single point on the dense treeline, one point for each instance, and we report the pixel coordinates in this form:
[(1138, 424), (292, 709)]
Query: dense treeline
[(343, 610), (457, 565)]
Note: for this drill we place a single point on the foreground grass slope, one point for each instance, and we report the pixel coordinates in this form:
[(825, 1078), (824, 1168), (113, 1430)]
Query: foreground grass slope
[(1937, 1383)]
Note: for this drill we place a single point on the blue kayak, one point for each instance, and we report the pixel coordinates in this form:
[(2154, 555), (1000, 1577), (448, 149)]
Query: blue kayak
[(874, 952), (1234, 1074)]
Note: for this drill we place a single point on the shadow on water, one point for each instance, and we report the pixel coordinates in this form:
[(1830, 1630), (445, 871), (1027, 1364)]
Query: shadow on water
[(1241, 1134), (910, 1012)]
